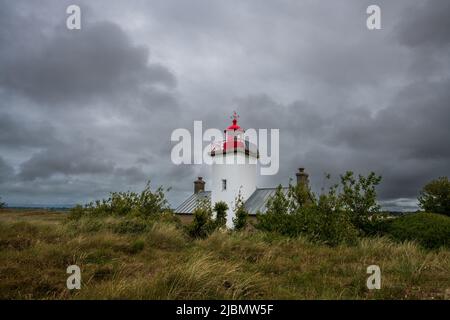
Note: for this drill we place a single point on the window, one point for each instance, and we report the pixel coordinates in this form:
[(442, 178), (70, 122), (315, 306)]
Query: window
[(224, 184)]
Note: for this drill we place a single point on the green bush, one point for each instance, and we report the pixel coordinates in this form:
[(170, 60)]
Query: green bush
[(435, 196), (144, 204), (333, 218), (359, 199), (429, 229), (202, 224), (241, 214), (220, 208), (316, 222)]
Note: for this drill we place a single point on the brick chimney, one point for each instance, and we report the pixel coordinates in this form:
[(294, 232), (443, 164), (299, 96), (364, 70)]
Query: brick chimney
[(199, 185), (302, 177)]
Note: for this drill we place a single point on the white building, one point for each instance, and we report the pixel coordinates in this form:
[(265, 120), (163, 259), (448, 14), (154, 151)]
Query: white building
[(233, 173)]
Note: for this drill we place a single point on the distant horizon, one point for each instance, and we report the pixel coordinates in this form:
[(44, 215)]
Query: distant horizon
[(69, 206)]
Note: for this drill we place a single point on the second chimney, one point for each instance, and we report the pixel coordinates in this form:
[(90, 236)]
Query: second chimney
[(302, 177), (199, 185)]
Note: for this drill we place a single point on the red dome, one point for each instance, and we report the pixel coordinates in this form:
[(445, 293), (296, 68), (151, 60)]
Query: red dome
[(234, 126)]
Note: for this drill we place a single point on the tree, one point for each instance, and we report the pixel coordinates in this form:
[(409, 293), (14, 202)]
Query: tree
[(202, 224), (278, 204), (241, 214), (146, 204), (435, 196), (2, 204), (359, 199), (220, 208), (300, 195), (276, 218), (338, 216)]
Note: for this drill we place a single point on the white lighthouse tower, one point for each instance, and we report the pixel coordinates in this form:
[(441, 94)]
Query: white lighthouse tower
[(233, 168)]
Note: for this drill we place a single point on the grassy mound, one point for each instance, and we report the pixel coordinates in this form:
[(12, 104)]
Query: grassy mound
[(429, 229)]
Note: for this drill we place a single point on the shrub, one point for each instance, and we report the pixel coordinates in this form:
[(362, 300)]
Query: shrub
[(144, 204), (435, 196), (131, 226), (76, 212), (277, 217), (241, 214), (220, 208), (334, 225), (278, 204), (335, 217), (429, 229), (202, 224), (359, 199), (318, 223)]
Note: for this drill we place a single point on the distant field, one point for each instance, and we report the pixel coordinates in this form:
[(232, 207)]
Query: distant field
[(120, 258), (32, 215)]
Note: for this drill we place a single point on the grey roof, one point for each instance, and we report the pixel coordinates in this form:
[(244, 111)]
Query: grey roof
[(256, 202), (188, 206)]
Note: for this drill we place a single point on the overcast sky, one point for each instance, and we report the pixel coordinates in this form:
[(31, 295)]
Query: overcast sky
[(85, 112)]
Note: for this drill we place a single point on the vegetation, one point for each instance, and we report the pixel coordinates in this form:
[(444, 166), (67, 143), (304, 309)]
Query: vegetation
[(359, 199), (146, 204), (220, 208), (240, 213), (342, 214), (2, 204), (202, 224), (429, 229), (160, 261), (435, 196), (131, 246)]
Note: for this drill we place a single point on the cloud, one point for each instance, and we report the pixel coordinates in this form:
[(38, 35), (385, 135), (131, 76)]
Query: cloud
[(84, 158), (425, 23), (6, 171), (15, 132), (72, 67), (68, 160), (86, 112), (414, 127), (405, 142)]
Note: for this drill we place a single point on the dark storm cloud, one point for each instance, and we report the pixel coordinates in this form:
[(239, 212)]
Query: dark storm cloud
[(73, 101), (415, 126), (425, 23), (405, 142), (14, 132), (80, 158), (6, 171), (66, 159), (91, 111), (75, 66)]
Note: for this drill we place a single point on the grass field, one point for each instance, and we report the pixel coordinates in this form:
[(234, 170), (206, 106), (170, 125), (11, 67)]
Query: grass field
[(161, 262)]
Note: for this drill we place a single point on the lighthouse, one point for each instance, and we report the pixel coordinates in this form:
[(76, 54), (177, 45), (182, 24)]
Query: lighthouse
[(234, 168), (233, 162)]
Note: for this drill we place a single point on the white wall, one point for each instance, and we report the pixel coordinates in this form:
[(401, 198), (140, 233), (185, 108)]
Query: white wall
[(238, 176)]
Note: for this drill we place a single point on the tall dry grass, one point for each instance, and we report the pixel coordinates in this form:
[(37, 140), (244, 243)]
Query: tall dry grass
[(156, 260)]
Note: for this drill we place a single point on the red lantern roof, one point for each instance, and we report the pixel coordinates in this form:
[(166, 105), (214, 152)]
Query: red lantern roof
[(234, 126), (234, 141)]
